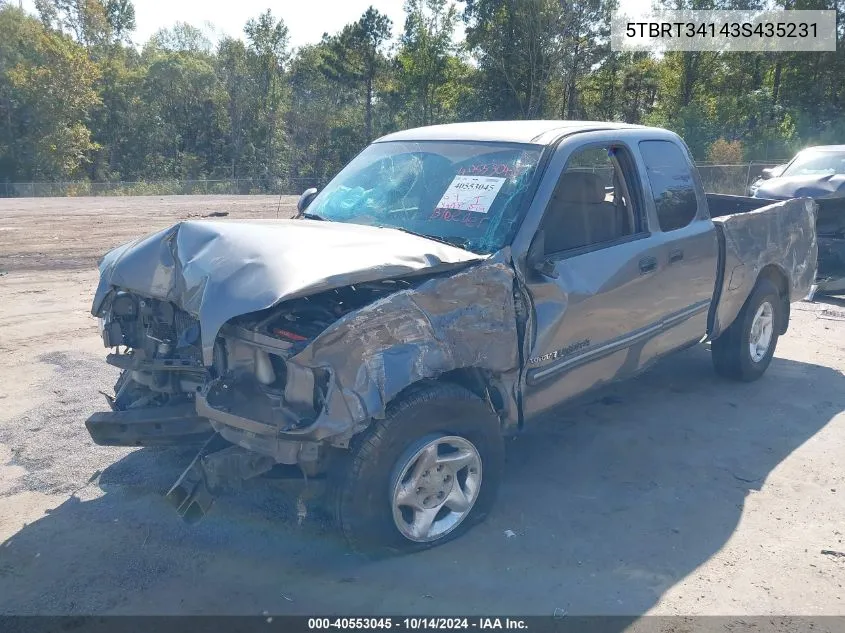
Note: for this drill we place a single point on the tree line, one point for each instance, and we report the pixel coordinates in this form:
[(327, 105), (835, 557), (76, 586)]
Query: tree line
[(79, 100)]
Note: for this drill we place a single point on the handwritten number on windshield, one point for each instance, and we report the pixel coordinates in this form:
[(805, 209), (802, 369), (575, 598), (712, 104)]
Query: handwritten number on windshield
[(466, 218), (501, 170)]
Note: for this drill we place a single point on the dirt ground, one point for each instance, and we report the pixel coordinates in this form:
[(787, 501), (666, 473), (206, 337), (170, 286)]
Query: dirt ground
[(674, 493)]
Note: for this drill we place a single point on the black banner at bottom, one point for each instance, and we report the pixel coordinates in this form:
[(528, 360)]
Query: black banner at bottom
[(409, 624)]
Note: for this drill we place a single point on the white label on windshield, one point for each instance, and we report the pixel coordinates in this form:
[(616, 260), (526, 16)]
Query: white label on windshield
[(471, 193)]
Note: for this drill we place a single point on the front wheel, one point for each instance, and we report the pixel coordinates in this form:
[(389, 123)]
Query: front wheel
[(423, 475), (743, 352)]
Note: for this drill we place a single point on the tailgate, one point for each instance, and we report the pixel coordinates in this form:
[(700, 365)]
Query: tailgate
[(782, 234), (830, 226)]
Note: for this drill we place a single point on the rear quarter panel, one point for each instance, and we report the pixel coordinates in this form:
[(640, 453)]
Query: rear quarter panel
[(782, 235)]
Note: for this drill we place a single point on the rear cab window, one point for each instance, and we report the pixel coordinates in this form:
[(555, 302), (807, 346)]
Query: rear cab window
[(672, 184)]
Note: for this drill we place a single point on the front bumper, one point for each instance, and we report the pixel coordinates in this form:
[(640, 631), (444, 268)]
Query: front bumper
[(188, 424), (293, 446), (149, 426)]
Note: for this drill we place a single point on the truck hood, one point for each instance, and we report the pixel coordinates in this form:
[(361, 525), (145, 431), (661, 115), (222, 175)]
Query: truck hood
[(802, 187), (220, 270)]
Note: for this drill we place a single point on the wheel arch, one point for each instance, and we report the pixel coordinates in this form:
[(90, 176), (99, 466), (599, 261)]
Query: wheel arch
[(488, 387)]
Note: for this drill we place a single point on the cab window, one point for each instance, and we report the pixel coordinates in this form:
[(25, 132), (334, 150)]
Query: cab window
[(672, 184), (592, 203)]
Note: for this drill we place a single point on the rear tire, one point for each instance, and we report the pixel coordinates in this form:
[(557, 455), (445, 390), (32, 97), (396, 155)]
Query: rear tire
[(743, 352), (436, 460)]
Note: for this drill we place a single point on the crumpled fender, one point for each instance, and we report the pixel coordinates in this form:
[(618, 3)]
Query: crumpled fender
[(780, 235), (465, 320)]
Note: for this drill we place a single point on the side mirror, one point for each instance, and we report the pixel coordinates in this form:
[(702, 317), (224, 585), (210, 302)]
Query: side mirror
[(536, 256), (772, 172), (305, 199)]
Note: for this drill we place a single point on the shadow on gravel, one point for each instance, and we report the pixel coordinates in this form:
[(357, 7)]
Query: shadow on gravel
[(610, 502)]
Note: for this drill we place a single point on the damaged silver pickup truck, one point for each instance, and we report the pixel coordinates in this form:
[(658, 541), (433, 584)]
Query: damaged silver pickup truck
[(449, 284)]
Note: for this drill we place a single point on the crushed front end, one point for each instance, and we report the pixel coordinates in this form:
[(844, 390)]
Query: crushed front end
[(246, 341), (157, 348), (263, 397), (249, 410)]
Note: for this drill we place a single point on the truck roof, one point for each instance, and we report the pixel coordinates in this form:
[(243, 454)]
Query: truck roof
[(536, 132)]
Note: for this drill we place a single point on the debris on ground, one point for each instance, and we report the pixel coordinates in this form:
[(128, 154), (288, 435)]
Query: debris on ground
[(91, 480), (831, 552), (832, 315), (217, 214)]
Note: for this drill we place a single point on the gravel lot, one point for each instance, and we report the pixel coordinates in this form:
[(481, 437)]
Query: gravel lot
[(674, 493)]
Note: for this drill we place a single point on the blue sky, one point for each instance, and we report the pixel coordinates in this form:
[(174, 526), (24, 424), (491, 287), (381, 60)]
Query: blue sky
[(306, 19)]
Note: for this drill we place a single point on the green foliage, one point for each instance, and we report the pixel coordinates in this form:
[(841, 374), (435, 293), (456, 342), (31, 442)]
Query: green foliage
[(181, 37), (429, 73), (79, 102), (355, 58), (724, 152), (48, 93)]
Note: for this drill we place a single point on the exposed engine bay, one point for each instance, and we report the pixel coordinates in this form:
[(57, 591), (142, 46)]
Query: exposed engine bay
[(161, 356), (157, 345), (163, 380), (227, 341)]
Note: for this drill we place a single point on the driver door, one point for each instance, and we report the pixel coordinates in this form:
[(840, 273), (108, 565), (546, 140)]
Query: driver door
[(595, 304)]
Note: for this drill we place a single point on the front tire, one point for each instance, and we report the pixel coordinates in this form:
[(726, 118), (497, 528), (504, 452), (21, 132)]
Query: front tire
[(744, 351), (422, 476)]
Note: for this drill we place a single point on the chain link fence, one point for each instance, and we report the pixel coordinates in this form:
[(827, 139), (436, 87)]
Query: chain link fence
[(728, 179), (731, 179), (231, 186)]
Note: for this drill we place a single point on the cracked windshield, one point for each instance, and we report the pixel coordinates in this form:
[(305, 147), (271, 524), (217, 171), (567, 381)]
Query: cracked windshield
[(467, 194)]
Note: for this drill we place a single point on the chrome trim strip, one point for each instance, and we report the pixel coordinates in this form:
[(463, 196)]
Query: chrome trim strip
[(618, 344)]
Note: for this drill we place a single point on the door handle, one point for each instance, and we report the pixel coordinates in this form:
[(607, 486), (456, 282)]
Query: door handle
[(647, 265), (676, 255)]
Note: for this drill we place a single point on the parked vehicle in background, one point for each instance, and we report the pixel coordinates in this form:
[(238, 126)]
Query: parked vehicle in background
[(815, 172), (448, 285), (765, 174), (819, 173)]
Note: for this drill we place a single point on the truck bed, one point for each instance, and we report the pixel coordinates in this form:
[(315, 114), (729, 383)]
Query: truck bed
[(830, 233), (721, 205), (755, 235)]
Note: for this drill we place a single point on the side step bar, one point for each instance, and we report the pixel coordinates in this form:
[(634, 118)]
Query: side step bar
[(212, 472), (149, 426)]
